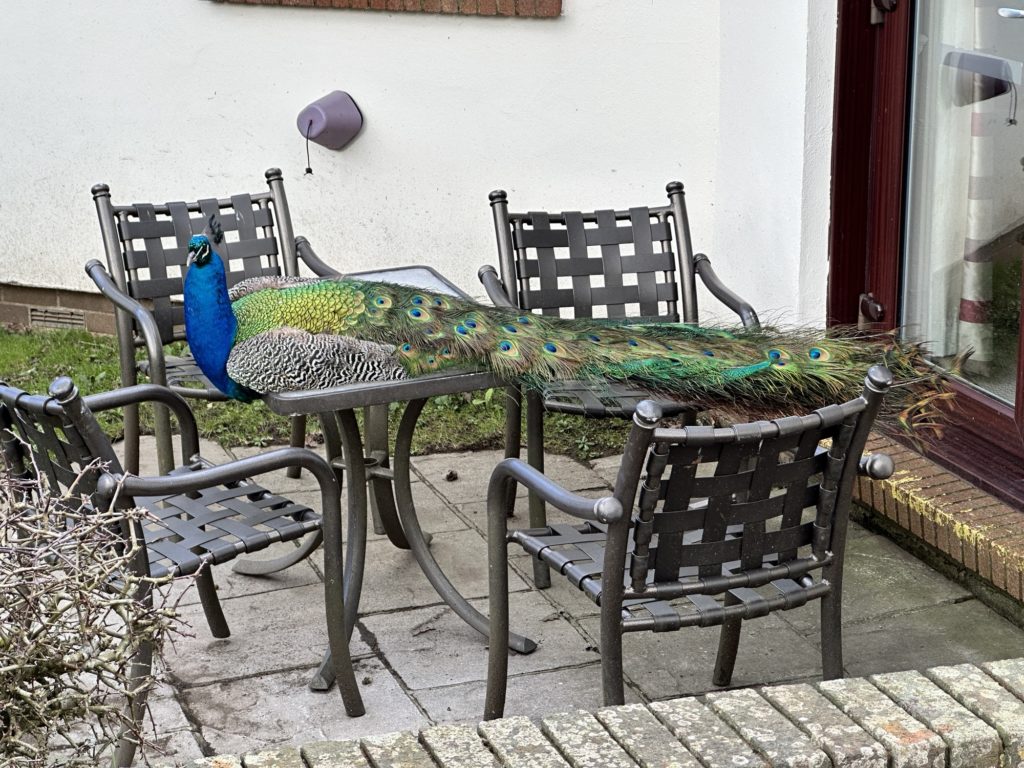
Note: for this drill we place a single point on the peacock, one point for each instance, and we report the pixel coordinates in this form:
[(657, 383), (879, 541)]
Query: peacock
[(273, 334)]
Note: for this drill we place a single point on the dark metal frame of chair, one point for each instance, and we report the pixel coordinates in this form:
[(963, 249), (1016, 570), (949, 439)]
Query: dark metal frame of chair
[(701, 548), (146, 246), (200, 514), (575, 263)]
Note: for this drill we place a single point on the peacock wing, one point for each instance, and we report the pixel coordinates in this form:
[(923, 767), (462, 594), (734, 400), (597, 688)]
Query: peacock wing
[(289, 359), (253, 284)]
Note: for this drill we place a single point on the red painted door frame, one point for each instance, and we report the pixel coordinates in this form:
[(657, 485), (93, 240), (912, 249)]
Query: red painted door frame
[(984, 439)]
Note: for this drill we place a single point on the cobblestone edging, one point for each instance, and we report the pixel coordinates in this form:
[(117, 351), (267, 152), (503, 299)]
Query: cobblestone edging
[(963, 716)]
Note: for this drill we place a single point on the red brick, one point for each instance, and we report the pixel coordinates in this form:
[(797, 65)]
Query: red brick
[(1015, 580), (413, 5), (23, 294), (549, 9), (396, 5), (929, 531), (468, 7), (506, 7), (339, 3), (487, 7), (526, 7), (449, 6), (432, 6)]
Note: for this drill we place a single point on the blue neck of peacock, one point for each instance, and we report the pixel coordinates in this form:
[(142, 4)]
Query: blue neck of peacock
[(210, 324)]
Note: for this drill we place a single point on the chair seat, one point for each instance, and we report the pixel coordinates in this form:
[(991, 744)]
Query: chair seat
[(577, 552), (185, 377), (216, 524), (603, 399)]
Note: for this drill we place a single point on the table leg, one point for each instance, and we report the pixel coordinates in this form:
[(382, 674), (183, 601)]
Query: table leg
[(418, 543), (339, 446), (375, 420)]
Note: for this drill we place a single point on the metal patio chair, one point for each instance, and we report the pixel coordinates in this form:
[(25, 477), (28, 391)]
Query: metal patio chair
[(200, 514), (730, 524), (146, 246), (628, 264)]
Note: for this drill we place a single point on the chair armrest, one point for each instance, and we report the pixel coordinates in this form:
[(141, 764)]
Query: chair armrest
[(604, 510), (151, 393), (496, 292), (702, 265), (877, 466), (143, 318), (233, 471), (310, 259)]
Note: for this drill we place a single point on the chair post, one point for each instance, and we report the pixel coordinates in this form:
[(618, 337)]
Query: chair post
[(506, 263), (684, 250), (122, 321), (645, 420), (285, 231)]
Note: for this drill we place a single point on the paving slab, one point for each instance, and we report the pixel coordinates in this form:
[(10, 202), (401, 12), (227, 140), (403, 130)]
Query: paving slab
[(990, 701), (846, 743), (584, 742), (457, 746), (474, 472), (148, 465), (909, 742), (534, 695), (972, 743), (519, 743), (433, 647), (393, 579), (647, 740), (762, 726), (281, 757), (940, 635), (880, 579), (275, 710), (707, 736), (667, 664), (270, 632)]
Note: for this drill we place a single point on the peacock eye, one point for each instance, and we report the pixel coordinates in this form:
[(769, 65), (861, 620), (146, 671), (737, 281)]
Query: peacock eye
[(633, 343), (509, 328), (407, 347), (523, 319), (505, 346), (593, 337), (816, 353), (417, 300), (461, 329), (471, 323), (415, 312), (709, 353), (549, 347)]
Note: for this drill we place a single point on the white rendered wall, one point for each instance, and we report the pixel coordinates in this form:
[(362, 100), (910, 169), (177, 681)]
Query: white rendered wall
[(169, 100), (773, 171)]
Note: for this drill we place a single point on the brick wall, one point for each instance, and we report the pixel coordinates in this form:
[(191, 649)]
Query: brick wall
[(977, 533), (27, 307), (541, 9)]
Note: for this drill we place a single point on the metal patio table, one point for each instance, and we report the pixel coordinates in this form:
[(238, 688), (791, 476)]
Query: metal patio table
[(387, 472)]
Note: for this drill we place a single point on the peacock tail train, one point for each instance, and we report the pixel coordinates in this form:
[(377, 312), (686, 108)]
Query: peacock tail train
[(394, 331)]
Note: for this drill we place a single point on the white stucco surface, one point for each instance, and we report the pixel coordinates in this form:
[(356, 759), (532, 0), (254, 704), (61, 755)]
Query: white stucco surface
[(600, 107)]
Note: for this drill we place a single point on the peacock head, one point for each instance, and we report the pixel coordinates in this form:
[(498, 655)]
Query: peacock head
[(199, 251)]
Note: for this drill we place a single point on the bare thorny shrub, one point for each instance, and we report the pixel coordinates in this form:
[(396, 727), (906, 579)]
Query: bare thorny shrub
[(70, 624)]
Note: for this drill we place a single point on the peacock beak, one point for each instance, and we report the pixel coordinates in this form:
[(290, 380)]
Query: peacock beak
[(189, 259)]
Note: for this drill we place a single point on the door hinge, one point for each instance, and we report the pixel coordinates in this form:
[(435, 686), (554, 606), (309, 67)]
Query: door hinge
[(869, 311), (879, 8)]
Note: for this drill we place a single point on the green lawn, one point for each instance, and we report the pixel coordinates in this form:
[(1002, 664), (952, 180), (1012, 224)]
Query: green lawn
[(449, 423)]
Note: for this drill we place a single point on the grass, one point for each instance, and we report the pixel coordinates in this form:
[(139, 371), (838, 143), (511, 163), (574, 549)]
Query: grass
[(31, 360)]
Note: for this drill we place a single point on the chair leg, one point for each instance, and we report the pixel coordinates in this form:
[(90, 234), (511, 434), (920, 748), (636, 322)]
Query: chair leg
[(728, 645), (497, 590), (211, 603), (142, 666), (297, 440), (535, 458), (831, 636), (131, 439), (611, 663), (164, 443)]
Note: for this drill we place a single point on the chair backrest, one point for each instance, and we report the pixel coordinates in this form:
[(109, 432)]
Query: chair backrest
[(627, 263), (743, 500), (41, 439), (146, 244)]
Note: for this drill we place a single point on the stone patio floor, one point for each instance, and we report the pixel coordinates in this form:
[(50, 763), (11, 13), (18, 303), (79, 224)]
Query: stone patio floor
[(419, 665)]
